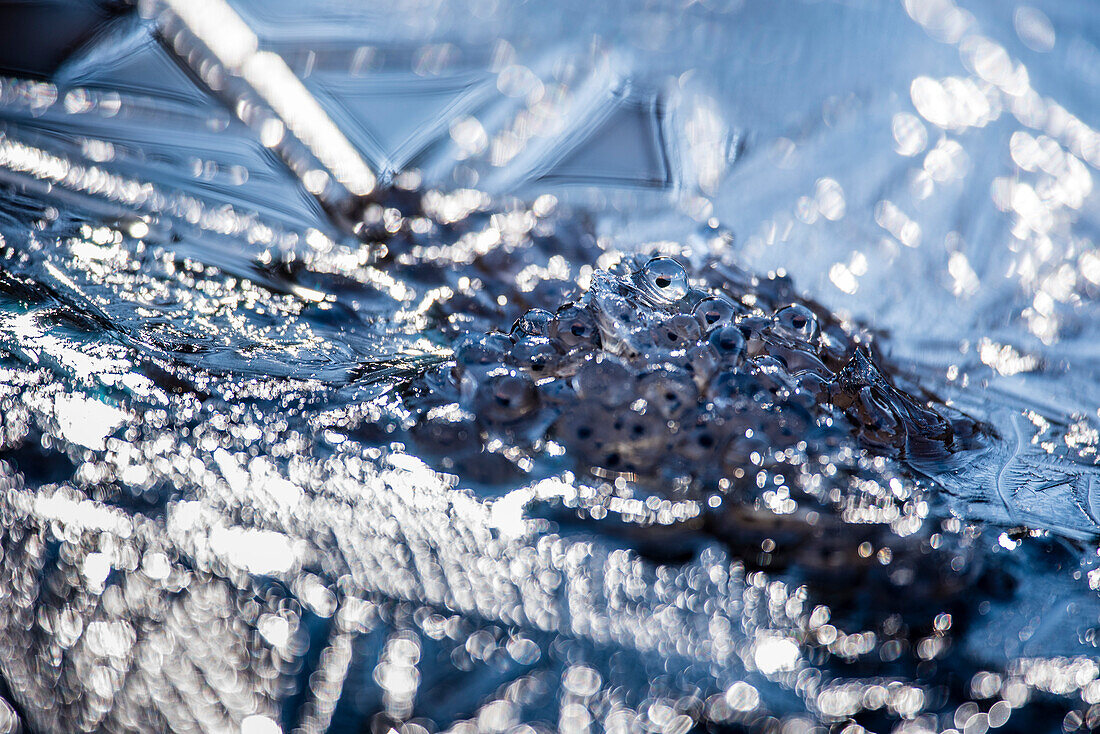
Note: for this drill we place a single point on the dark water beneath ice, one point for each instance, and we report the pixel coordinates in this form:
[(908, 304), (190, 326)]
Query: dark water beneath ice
[(468, 367)]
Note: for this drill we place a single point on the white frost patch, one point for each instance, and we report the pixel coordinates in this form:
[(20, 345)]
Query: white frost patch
[(775, 655), (261, 481), (81, 514), (197, 527), (85, 421), (96, 568), (256, 551), (275, 629), (256, 724), (507, 513)]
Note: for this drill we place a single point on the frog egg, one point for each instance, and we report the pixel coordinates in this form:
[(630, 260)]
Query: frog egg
[(638, 429), (479, 353), (754, 326), (604, 380), (728, 343), (692, 299), (755, 329), (537, 355), (582, 428), (679, 332), (639, 344), (700, 442), (556, 393), (733, 384), (663, 279), (535, 322), (742, 453), (506, 396), (702, 362), (641, 439), (619, 311), (798, 320), (671, 393), (445, 436), (797, 358), (715, 311), (575, 326)]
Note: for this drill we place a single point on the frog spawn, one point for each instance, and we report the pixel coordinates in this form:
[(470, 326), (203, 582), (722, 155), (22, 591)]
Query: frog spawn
[(668, 378)]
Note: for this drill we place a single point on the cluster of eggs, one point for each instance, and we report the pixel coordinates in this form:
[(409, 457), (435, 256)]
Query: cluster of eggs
[(655, 373)]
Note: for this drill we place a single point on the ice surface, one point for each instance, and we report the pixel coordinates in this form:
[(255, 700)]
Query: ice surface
[(460, 455)]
